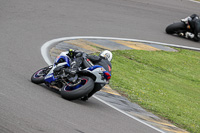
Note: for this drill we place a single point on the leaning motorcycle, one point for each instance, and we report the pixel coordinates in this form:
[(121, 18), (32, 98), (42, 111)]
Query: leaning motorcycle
[(181, 28), (72, 86)]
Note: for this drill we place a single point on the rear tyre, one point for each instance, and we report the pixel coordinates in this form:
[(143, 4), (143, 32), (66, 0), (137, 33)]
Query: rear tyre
[(175, 27), (78, 91)]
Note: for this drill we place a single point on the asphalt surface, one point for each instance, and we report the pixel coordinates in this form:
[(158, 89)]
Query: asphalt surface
[(26, 25)]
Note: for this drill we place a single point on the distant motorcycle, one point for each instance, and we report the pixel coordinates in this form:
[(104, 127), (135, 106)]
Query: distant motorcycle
[(184, 30), (71, 86)]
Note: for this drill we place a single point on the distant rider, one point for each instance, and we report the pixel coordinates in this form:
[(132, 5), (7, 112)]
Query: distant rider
[(193, 23)]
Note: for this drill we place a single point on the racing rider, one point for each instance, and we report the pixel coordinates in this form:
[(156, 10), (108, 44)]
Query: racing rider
[(104, 60), (193, 23)]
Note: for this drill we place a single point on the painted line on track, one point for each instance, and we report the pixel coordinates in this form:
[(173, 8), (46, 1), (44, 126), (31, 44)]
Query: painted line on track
[(129, 115), (195, 1), (45, 53), (136, 45), (48, 44)]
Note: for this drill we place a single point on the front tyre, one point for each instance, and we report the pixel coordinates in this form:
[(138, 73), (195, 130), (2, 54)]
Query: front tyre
[(38, 76), (175, 28), (82, 89)]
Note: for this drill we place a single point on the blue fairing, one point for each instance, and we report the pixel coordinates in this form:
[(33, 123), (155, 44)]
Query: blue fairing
[(65, 58), (94, 67), (49, 78), (107, 75)]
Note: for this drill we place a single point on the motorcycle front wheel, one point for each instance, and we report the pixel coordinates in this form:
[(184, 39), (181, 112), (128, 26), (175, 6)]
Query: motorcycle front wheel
[(175, 28), (38, 76), (82, 89)]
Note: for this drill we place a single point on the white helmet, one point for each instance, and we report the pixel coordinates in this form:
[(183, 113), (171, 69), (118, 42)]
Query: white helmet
[(106, 54)]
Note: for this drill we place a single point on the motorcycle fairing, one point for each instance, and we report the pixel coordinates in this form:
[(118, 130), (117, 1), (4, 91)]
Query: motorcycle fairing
[(49, 78), (96, 70), (61, 59)]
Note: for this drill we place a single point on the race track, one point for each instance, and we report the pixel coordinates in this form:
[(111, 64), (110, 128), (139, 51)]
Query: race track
[(27, 25)]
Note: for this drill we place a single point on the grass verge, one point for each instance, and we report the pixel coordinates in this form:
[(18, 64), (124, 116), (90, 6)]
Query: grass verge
[(166, 83)]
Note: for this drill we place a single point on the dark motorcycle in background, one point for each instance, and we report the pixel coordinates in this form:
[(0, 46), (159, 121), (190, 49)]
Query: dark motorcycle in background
[(183, 29)]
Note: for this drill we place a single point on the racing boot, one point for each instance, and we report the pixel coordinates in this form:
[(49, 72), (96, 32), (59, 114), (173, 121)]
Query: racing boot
[(189, 35)]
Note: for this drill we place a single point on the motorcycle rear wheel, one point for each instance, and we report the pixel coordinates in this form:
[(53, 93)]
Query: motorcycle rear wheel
[(84, 88)]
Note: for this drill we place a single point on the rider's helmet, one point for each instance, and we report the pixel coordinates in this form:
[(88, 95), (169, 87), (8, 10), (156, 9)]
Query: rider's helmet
[(106, 54), (71, 53)]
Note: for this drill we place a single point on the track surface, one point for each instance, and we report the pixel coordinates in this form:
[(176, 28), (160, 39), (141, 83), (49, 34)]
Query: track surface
[(26, 25)]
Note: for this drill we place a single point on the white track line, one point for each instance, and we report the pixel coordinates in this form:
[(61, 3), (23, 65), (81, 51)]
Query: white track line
[(129, 115), (48, 44), (45, 53), (195, 1)]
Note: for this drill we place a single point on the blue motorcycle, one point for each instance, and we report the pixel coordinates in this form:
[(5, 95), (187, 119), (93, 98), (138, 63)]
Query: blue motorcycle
[(72, 86)]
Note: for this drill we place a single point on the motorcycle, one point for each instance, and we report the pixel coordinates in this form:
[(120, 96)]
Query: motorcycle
[(182, 28), (72, 86)]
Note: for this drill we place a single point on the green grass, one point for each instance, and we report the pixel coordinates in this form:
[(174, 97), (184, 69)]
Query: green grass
[(166, 83)]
